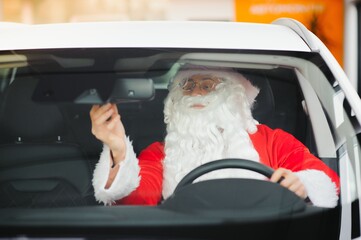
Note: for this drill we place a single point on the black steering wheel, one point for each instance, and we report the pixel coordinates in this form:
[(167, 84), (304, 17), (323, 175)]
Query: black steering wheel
[(239, 197), (221, 164)]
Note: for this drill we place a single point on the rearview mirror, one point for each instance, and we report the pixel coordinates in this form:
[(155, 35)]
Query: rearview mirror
[(130, 90)]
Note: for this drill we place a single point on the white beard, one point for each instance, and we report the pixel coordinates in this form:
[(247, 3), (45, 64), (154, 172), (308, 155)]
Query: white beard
[(197, 136)]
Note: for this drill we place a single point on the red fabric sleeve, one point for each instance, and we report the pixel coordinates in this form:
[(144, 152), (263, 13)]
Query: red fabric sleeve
[(149, 191), (284, 151)]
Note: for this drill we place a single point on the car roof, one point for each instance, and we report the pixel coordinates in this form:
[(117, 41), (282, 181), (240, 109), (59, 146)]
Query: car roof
[(153, 34)]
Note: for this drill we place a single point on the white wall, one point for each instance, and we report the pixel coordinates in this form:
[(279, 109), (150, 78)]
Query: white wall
[(213, 10)]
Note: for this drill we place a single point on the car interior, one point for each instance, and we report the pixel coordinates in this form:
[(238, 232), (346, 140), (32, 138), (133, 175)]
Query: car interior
[(48, 152)]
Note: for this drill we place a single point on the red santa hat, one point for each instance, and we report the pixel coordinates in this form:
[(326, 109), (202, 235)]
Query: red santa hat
[(229, 74)]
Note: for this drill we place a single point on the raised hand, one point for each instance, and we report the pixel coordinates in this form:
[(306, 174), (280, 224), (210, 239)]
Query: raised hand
[(108, 128)]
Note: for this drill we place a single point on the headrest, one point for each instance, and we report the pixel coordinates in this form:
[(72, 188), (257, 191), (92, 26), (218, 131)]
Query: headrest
[(21, 118), (264, 105)]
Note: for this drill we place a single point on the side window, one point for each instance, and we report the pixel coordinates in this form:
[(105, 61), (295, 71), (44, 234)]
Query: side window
[(4, 78), (6, 74)]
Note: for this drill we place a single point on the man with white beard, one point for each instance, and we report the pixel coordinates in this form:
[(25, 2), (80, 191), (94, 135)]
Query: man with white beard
[(208, 117)]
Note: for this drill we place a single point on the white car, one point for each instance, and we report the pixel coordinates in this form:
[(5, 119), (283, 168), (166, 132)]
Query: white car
[(51, 75)]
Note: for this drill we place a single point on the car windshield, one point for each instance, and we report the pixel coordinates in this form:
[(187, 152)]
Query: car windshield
[(49, 153)]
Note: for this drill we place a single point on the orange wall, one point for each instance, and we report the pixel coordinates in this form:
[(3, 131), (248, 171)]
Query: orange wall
[(323, 17)]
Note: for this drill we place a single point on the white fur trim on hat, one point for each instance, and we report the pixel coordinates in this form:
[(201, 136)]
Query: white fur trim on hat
[(230, 74), (320, 189), (126, 180)]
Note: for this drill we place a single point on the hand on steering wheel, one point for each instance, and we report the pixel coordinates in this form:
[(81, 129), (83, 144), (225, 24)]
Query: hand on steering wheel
[(289, 180)]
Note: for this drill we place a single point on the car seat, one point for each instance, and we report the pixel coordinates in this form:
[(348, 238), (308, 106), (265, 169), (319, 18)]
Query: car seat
[(40, 163)]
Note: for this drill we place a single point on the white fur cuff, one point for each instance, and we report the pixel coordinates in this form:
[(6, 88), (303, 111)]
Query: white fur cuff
[(320, 189), (126, 180)]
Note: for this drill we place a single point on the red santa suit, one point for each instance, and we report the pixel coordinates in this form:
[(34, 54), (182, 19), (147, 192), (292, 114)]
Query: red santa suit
[(139, 180)]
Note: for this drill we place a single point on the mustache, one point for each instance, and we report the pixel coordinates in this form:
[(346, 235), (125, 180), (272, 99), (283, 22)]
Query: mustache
[(205, 100)]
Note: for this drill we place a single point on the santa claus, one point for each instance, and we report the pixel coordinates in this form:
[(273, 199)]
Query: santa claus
[(208, 116)]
